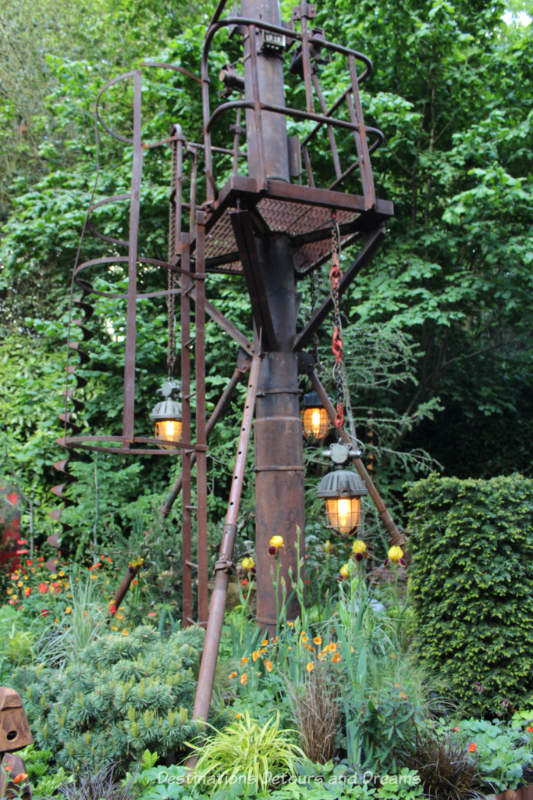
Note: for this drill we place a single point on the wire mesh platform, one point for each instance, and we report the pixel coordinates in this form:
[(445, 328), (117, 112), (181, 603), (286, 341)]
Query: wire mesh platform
[(303, 213)]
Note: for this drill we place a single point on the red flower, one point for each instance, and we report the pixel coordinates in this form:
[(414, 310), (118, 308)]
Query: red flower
[(472, 747), (27, 591), (151, 614), (44, 612), (22, 541), (12, 498), (43, 588), (112, 609), (244, 582), (29, 562)]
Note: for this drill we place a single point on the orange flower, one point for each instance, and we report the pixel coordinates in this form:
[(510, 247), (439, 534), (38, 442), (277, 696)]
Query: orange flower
[(27, 591), (22, 776), (317, 640), (233, 674), (472, 747), (255, 655), (264, 643), (244, 660), (529, 729), (244, 678), (336, 657), (268, 666), (68, 610), (310, 666)]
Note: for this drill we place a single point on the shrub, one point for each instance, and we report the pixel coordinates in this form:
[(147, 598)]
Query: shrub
[(472, 546), (123, 694)]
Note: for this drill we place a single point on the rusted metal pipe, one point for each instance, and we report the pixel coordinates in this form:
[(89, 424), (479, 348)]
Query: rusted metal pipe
[(223, 566), (123, 587), (396, 536)]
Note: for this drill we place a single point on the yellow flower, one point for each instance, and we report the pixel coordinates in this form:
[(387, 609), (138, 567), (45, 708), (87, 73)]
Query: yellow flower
[(255, 655), (68, 610), (244, 678), (268, 666), (137, 562), (264, 643), (238, 715), (344, 571), (61, 573), (317, 640), (274, 544), (395, 554), (310, 666), (248, 563), (305, 638), (20, 583), (290, 623), (358, 546), (328, 547)]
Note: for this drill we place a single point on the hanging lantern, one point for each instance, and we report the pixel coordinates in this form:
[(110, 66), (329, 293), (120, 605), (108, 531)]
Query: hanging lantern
[(167, 415), (315, 419), (342, 490)]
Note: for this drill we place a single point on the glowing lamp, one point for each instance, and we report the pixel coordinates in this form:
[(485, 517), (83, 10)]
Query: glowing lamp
[(315, 419), (342, 490), (167, 415)]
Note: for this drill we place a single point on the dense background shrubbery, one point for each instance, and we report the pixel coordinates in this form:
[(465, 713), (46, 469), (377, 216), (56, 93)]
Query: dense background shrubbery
[(472, 572)]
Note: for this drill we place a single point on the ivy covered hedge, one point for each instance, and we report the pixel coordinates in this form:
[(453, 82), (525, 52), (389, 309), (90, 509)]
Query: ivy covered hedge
[(471, 580)]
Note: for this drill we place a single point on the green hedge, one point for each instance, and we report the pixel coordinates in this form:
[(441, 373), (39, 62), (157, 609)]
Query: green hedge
[(471, 582)]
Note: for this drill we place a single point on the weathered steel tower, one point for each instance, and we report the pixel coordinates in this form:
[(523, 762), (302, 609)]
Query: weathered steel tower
[(273, 209)]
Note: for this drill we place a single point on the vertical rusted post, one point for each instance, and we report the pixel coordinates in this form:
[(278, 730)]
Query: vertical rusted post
[(131, 313), (279, 490), (186, 523), (201, 438), (263, 80), (223, 566)]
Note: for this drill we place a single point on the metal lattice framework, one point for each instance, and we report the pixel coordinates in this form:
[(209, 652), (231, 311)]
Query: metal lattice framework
[(262, 208)]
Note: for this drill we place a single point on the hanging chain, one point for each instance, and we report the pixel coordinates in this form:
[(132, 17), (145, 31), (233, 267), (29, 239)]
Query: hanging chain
[(335, 277), (314, 303), (171, 275)]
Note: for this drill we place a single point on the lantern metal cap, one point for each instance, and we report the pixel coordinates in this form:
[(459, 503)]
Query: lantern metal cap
[(341, 483), (166, 409), (169, 408), (311, 400)]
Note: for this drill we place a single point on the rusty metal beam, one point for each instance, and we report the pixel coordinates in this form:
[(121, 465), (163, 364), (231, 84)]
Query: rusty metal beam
[(396, 536), (243, 229), (224, 323), (224, 564)]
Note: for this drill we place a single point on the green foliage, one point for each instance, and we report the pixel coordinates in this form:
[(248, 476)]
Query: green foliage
[(123, 694), (500, 753), (248, 752), (44, 778), (471, 575)]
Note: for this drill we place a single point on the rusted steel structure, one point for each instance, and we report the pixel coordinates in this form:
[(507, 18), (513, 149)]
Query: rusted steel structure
[(272, 209)]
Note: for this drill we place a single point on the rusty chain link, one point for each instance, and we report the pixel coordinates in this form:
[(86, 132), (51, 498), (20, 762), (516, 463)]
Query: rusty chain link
[(335, 277), (171, 275)]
